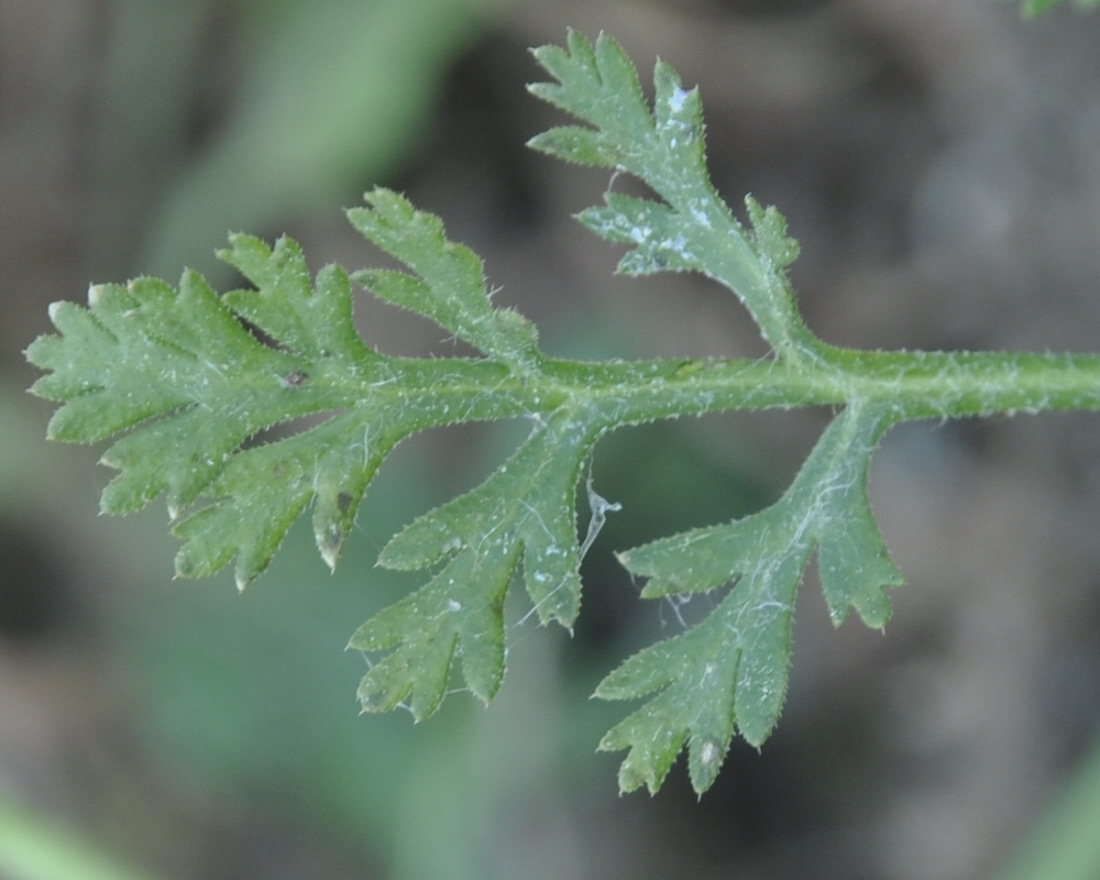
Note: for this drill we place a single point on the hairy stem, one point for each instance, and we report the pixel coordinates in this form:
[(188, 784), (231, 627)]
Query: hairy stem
[(917, 385)]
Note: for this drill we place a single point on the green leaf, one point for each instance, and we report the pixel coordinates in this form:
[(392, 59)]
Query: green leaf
[(598, 84), (525, 509), (461, 608), (261, 491), (731, 669), (450, 286), (196, 389), (248, 409), (654, 229), (1031, 8), (316, 322), (692, 228), (770, 234)]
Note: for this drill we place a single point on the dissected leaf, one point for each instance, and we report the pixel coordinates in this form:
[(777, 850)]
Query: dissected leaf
[(449, 284), (692, 228), (196, 378), (525, 509), (314, 321), (655, 230), (260, 492), (731, 669), (461, 608), (248, 409), (769, 229)]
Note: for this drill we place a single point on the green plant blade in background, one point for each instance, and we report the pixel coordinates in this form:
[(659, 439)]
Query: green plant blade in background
[(1065, 845), (32, 848), (327, 94), (1031, 8)]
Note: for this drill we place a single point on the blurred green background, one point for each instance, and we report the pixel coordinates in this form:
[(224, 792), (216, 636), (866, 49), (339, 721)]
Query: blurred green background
[(939, 163)]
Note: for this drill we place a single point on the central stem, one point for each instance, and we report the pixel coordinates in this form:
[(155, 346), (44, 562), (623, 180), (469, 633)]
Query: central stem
[(918, 384)]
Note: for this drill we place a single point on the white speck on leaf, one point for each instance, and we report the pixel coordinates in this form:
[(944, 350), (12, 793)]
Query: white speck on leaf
[(677, 100)]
